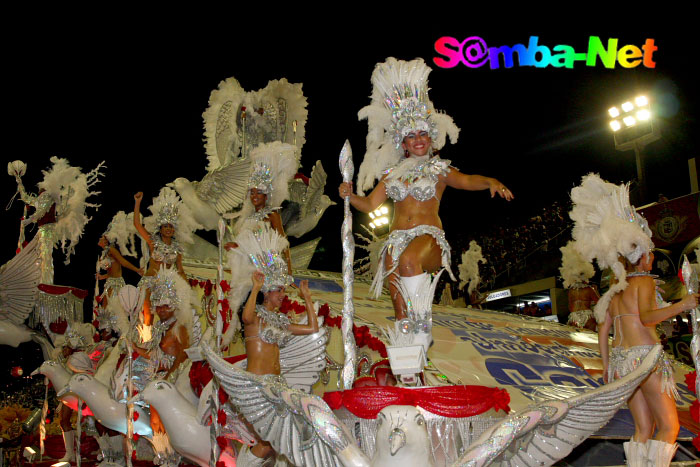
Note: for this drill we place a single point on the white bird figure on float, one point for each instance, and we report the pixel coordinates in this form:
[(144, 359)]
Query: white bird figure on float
[(59, 377), (541, 434), (107, 411), (402, 438), (188, 436)]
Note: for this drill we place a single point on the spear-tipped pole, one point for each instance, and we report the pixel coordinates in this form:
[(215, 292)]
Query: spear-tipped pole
[(131, 300), (347, 169), (690, 278)]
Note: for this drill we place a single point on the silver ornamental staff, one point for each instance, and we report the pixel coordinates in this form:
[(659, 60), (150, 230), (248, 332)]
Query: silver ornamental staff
[(690, 278), (132, 301), (215, 430), (347, 169)]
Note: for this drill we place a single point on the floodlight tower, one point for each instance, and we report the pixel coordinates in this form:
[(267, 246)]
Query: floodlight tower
[(633, 128)]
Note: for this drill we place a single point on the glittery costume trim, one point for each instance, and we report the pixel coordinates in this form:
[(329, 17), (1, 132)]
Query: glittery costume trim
[(415, 176), (164, 253), (262, 214), (105, 262), (158, 330), (579, 318), (114, 284), (273, 327), (624, 361), (396, 244), (47, 240)]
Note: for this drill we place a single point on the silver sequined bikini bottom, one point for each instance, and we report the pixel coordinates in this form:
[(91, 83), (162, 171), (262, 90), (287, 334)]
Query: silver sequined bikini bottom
[(396, 244), (624, 361)]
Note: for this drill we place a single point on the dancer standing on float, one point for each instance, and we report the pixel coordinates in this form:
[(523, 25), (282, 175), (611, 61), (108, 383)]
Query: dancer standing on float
[(273, 165), (59, 208), (116, 242), (404, 130), (265, 328), (171, 223), (601, 212), (576, 272)]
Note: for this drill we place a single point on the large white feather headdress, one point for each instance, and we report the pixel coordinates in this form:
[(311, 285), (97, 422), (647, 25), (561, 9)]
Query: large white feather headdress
[(121, 231), (574, 269), (273, 165), (167, 208), (264, 248), (170, 289), (606, 226), (69, 188), (400, 104), (276, 112)]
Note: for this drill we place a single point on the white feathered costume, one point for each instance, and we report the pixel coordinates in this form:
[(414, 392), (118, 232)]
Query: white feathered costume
[(606, 226)]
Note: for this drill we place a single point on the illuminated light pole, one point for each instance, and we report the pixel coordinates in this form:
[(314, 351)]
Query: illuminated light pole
[(380, 217), (633, 128)]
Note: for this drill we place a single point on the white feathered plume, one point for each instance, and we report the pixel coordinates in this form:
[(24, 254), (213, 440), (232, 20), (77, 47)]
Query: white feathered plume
[(70, 188), (469, 267), (574, 269), (282, 103), (400, 102), (122, 232), (167, 208), (606, 226)]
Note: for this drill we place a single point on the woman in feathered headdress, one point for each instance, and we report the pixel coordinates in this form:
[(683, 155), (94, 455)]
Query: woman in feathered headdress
[(265, 328), (59, 208), (273, 165), (608, 229), (171, 222), (404, 129), (116, 241), (575, 271)]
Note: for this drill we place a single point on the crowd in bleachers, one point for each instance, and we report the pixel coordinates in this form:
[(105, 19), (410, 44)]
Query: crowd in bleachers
[(517, 251)]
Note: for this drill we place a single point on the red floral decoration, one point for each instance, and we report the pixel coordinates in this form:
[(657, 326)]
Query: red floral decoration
[(222, 442), (136, 416), (221, 418), (225, 287)]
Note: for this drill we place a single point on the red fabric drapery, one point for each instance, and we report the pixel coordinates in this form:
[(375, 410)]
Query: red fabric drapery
[(446, 401), (61, 289)]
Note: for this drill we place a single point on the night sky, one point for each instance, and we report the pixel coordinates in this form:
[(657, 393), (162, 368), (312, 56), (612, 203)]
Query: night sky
[(133, 96)]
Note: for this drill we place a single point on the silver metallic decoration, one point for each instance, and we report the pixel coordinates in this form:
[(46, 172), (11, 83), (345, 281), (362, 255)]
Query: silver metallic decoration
[(548, 431), (395, 245), (347, 169), (298, 425), (690, 279), (416, 176), (215, 429)]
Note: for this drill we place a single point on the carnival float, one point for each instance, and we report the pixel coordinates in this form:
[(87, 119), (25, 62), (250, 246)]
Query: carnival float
[(342, 370)]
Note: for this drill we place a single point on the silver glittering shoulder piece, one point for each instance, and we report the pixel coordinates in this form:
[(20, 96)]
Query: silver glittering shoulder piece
[(262, 214), (301, 426), (546, 432)]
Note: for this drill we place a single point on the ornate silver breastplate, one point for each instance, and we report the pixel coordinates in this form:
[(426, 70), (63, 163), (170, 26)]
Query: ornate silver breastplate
[(417, 177), (274, 327), (164, 253)]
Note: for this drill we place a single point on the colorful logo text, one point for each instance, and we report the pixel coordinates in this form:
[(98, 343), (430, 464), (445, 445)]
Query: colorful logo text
[(474, 53)]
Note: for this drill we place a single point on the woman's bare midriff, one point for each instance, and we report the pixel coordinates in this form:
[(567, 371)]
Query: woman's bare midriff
[(410, 213), (263, 358)]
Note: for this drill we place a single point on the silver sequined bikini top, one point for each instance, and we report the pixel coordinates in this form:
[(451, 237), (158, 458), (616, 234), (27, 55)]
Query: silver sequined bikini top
[(415, 176), (274, 327), (105, 261), (164, 253)]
